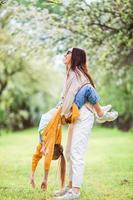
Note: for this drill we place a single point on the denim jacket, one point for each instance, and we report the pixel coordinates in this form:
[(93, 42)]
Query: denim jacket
[(87, 93)]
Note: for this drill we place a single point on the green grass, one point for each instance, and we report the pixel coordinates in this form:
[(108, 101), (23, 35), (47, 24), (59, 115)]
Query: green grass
[(108, 167)]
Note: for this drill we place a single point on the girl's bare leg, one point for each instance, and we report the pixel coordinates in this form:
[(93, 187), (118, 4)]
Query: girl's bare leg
[(35, 159), (32, 180), (98, 110)]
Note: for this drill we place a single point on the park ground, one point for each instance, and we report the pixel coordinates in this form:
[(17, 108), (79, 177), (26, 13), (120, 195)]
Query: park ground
[(108, 166)]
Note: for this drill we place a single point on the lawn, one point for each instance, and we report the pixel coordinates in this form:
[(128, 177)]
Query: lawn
[(108, 166)]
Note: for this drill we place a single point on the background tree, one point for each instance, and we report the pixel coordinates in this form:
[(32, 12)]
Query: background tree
[(33, 32), (27, 81), (105, 29)]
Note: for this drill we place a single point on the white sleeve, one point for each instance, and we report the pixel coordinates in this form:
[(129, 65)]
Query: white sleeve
[(69, 98)]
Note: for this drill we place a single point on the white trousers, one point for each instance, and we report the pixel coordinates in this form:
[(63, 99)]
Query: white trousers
[(45, 118), (77, 141)]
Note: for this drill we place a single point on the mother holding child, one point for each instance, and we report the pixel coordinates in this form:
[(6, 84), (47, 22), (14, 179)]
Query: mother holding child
[(78, 107)]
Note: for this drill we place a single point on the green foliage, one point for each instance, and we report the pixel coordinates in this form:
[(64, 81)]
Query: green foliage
[(105, 29), (53, 6), (27, 81)]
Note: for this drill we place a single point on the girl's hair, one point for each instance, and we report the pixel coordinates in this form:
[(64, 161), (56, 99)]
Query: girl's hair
[(58, 153), (78, 60)]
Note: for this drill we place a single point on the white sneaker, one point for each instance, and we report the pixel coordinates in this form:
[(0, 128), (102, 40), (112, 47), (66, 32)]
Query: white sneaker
[(61, 192), (70, 194), (107, 117), (106, 108)]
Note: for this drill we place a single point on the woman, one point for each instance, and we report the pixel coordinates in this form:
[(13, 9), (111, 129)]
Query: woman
[(78, 89), (77, 76)]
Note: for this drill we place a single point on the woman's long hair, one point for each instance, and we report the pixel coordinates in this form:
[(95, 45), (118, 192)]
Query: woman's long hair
[(78, 60), (58, 154)]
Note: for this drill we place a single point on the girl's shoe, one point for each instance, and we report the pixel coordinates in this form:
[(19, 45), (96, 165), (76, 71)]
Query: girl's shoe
[(70, 194), (107, 117), (106, 108), (61, 192)]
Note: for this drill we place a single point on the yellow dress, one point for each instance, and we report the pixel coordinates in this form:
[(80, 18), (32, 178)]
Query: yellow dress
[(52, 135)]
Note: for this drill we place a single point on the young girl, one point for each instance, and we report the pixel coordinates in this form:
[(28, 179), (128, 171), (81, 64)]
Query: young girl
[(58, 153), (50, 134)]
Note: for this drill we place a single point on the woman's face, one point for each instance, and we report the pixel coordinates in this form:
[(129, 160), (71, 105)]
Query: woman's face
[(67, 57)]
